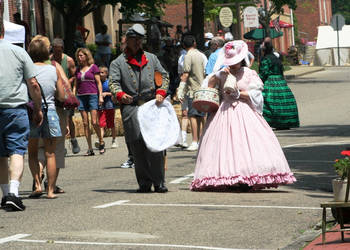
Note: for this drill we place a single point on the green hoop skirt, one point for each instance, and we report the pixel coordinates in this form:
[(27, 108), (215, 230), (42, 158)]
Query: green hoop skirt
[(280, 108)]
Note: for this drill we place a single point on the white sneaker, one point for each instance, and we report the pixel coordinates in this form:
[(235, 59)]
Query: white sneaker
[(193, 147), (114, 144), (184, 145), (127, 164)]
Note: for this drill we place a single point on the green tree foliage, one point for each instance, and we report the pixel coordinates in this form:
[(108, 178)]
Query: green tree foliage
[(74, 10), (342, 7), (275, 8)]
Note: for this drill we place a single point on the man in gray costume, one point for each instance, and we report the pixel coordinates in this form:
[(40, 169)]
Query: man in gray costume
[(132, 82)]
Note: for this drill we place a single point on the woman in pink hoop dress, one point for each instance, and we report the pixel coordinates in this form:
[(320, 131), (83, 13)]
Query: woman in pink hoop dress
[(238, 147)]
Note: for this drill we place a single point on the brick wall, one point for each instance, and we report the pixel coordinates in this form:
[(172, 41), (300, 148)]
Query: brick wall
[(309, 16), (26, 12), (39, 16), (12, 9), (39, 13), (176, 14)]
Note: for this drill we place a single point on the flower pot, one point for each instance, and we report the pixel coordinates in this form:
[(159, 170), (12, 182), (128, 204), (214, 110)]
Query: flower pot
[(339, 189)]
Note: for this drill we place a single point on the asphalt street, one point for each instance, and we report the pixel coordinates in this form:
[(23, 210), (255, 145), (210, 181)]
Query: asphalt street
[(101, 210)]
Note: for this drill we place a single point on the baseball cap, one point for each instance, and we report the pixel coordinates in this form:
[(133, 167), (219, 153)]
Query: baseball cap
[(208, 35)]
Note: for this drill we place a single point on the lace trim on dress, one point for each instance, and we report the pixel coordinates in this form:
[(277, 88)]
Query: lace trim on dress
[(256, 181)]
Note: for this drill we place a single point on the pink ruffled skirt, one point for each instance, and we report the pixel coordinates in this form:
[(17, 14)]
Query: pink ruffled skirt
[(239, 147)]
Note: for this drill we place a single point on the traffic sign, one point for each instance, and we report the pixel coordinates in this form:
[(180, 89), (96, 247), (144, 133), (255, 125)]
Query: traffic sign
[(226, 17), (338, 21)]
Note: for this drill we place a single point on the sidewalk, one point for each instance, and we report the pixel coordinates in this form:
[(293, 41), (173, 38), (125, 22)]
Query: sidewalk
[(333, 241), (297, 71)]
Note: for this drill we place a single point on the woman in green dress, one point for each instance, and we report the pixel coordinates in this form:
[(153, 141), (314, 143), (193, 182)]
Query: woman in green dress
[(280, 108)]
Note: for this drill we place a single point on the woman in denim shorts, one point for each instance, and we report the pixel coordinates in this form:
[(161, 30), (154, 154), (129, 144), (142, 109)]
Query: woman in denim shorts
[(88, 88), (49, 130)]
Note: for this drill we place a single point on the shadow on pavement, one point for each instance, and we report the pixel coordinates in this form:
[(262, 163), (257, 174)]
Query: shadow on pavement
[(313, 165), (320, 130), (114, 190), (314, 80)]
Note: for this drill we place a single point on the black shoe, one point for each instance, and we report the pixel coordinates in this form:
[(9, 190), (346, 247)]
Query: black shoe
[(144, 190), (102, 149), (3, 201), (14, 203), (245, 187), (160, 189), (75, 146)]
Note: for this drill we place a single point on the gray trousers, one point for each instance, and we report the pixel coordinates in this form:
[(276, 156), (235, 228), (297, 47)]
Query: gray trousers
[(149, 166)]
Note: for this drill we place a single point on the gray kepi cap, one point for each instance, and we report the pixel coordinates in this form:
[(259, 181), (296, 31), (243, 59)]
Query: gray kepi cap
[(136, 30)]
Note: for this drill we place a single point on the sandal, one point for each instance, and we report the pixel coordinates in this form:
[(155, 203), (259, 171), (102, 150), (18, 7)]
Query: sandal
[(90, 152), (57, 190), (35, 195), (102, 149), (33, 185)]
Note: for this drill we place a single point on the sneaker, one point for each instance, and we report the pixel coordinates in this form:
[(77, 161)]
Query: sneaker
[(193, 147), (184, 145), (14, 203), (97, 144), (75, 146), (114, 144), (128, 164), (3, 201)]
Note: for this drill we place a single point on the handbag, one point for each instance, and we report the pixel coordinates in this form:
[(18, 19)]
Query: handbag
[(230, 84), (70, 100), (30, 105)]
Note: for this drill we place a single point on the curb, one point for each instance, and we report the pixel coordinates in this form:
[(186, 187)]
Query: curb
[(292, 76)]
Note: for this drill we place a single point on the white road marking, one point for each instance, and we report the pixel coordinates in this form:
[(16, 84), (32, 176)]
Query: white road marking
[(125, 244), (307, 144), (13, 238), (125, 203), (112, 204), (179, 180), (213, 205)]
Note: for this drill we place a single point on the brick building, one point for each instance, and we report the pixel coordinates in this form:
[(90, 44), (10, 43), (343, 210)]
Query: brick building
[(43, 19), (31, 12), (309, 15), (176, 15)]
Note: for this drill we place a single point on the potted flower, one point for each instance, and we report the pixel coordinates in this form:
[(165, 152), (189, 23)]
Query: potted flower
[(342, 167)]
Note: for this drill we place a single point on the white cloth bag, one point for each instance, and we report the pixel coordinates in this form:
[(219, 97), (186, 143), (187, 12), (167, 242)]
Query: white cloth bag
[(159, 125)]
